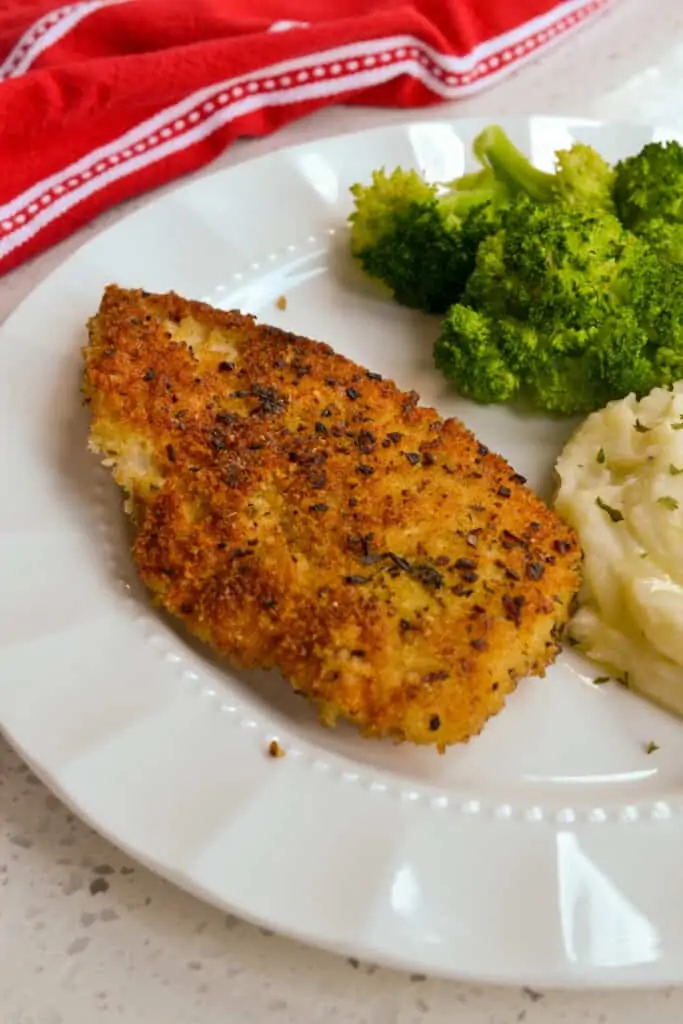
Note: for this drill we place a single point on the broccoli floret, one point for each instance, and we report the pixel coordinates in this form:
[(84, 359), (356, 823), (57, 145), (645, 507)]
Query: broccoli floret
[(554, 263), (468, 351), (565, 308), (420, 241), (665, 237), (583, 176), (649, 186), (494, 150)]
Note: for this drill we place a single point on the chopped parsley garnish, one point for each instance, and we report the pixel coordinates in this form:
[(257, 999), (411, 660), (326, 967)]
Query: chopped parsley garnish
[(601, 680), (600, 457), (668, 502), (615, 515), (677, 426), (651, 748), (674, 470), (641, 428)]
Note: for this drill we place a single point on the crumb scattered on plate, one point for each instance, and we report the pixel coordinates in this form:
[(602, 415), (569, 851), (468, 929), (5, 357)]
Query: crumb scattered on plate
[(275, 750), (281, 302)]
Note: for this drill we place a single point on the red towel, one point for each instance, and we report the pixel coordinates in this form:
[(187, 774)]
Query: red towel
[(103, 99)]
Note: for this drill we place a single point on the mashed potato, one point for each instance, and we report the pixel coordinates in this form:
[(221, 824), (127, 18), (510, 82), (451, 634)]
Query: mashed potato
[(621, 487)]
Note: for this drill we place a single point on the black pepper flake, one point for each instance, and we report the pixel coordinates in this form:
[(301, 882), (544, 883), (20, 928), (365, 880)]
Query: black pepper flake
[(412, 457), (428, 576), (465, 563), (357, 580), (386, 443), (399, 562), (517, 478), (186, 608), (470, 577), (479, 644), (170, 451), (482, 449), (373, 376), (371, 559), (561, 546), (149, 375), (240, 553), (435, 677), (365, 470), (352, 394), (330, 381), (504, 492), (534, 570), (409, 402), (511, 574), (360, 544), (270, 401), (358, 654), (366, 441), (404, 625), (326, 413), (428, 459), (269, 602), (320, 507), (217, 442), (442, 560), (510, 540), (320, 428), (225, 367), (394, 436), (434, 723), (512, 606), (353, 502), (317, 478)]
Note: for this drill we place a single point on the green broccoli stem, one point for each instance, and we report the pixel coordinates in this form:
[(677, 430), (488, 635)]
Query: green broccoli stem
[(494, 149), (460, 203)]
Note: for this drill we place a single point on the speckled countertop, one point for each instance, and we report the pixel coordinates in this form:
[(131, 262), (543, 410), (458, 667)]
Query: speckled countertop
[(86, 935)]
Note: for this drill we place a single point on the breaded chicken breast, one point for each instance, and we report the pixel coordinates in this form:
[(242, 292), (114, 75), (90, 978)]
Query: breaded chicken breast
[(296, 511)]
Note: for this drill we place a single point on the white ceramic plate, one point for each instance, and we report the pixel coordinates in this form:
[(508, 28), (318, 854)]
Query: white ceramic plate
[(546, 852)]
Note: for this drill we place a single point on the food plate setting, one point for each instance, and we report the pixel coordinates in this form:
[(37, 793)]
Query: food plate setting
[(287, 505)]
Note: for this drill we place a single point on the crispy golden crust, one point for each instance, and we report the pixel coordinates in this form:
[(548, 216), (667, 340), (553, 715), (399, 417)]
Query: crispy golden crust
[(296, 511)]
